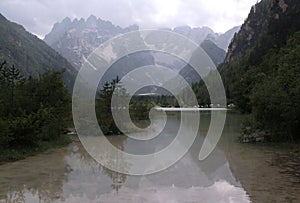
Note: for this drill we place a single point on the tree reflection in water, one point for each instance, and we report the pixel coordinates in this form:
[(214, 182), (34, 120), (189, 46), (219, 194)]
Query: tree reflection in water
[(118, 179), (72, 175), (41, 177)]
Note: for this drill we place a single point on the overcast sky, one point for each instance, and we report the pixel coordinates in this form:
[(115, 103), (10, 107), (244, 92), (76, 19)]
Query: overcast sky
[(38, 16)]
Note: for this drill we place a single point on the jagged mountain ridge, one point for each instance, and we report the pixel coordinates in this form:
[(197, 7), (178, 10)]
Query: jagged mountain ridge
[(199, 35), (269, 24), (78, 38), (30, 54)]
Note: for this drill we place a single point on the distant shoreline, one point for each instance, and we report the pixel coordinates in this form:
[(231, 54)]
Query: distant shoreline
[(190, 109)]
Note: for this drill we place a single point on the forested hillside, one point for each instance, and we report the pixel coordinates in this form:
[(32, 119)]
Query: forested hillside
[(261, 69), (33, 112), (31, 55), (35, 102)]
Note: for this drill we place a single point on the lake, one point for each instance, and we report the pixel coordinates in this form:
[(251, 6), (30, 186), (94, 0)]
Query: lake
[(233, 172)]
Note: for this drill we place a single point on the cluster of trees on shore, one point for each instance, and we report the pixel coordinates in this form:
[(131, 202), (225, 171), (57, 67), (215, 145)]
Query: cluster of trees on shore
[(103, 107), (139, 106), (268, 89), (265, 84), (33, 111)]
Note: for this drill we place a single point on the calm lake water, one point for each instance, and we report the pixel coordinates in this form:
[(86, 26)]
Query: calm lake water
[(234, 172)]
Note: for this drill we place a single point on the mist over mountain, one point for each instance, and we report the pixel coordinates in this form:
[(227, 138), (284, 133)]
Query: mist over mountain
[(78, 38), (199, 35)]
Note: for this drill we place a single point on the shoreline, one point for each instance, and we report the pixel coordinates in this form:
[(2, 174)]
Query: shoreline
[(285, 156), (13, 155)]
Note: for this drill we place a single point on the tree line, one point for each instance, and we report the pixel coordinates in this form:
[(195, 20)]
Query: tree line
[(33, 111), (268, 90)]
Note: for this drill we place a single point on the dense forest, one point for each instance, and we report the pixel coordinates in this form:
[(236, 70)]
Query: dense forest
[(269, 91), (261, 70), (33, 112)]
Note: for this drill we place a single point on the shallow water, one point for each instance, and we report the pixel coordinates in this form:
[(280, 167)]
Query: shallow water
[(234, 172)]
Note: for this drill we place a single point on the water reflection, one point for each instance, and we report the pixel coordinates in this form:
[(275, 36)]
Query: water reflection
[(40, 177), (117, 178), (71, 175)]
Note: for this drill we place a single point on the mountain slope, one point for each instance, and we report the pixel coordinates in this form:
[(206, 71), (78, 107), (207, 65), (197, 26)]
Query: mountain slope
[(267, 29), (223, 40), (261, 72), (268, 25), (78, 38), (30, 54), (198, 35), (216, 54)]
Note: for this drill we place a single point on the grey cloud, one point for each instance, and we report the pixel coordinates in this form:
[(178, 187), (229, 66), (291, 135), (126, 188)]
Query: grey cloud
[(38, 16)]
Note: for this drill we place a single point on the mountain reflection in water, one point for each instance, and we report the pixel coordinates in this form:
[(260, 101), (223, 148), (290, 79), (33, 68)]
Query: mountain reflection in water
[(71, 175)]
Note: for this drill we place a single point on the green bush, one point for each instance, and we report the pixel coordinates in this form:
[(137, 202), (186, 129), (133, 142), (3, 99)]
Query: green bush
[(275, 99), (33, 111)]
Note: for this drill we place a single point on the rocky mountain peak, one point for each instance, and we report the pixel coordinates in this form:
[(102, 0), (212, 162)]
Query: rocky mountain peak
[(268, 21), (78, 38), (92, 18), (198, 34)]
